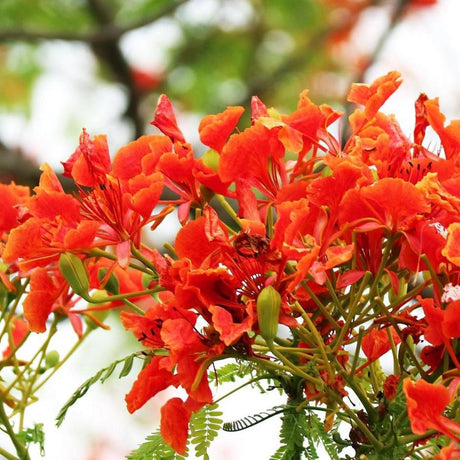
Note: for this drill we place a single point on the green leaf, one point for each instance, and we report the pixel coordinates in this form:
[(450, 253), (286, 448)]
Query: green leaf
[(204, 427), (33, 435), (127, 366), (102, 376), (292, 436), (154, 448), (229, 372), (318, 434), (251, 420)]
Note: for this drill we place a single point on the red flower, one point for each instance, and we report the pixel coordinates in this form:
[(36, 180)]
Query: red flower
[(13, 197), (175, 417), (390, 203), (390, 386), (165, 120), (49, 292), (426, 403), (153, 378), (255, 155), (377, 342), (18, 332), (52, 225), (215, 129), (374, 95), (442, 325), (452, 248), (89, 162)]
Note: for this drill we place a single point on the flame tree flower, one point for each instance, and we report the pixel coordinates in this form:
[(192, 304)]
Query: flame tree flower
[(302, 260)]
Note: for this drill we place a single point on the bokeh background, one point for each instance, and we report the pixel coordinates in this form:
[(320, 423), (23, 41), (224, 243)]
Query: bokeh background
[(101, 64)]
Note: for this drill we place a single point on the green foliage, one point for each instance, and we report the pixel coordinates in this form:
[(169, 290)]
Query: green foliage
[(204, 427), (317, 432), (34, 435), (154, 448), (209, 61), (298, 427), (251, 420), (227, 373), (291, 436), (101, 376), (51, 15)]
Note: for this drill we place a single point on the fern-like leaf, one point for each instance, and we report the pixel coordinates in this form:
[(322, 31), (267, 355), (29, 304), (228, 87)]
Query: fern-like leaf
[(154, 448), (251, 420), (318, 433), (204, 427), (102, 375), (292, 436)]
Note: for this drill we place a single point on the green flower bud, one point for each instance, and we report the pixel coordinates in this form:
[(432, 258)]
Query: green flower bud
[(211, 159), (51, 359), (74, 271), (268, 310)]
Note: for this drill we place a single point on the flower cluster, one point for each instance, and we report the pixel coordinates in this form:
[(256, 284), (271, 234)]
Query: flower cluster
[(306, 256)]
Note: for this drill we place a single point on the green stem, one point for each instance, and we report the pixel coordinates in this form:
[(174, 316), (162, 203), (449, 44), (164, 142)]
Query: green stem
[(63, 360), (111, 298), (357, 349), (335, 299), (139, 256), (338, 341), (362, 426), (97, 252), (321, 307), (20, 372), (249, 382), (295, 370), (29, 391), (7, 455), (411, 353), (228, 209), (20, 448), (350, 379), (12, 310), (317, 337)]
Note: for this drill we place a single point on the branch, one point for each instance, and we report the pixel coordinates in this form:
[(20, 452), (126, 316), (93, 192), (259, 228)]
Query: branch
[(16, 166), (105, 33)]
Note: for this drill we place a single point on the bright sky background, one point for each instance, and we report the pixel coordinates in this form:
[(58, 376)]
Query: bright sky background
[(424, 48)]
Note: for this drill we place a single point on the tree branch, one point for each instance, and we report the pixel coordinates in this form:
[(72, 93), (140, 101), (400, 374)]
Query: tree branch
[(105, 33)]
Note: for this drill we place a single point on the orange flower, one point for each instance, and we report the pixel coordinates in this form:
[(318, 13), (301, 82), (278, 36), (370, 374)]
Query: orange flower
[(165, 120), (426, 403), (374, 95), (89, 162), (215, 129), (13, 197), (390, 203), (255, 155), (18, 332), (377, 342), (452, 247), (49, 292), (52, 224)]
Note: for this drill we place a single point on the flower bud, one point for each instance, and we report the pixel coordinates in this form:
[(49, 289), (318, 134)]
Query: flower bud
[(74, 271), (268, 310), (51, 359)]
